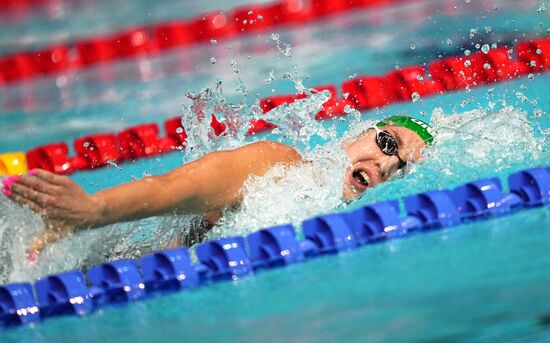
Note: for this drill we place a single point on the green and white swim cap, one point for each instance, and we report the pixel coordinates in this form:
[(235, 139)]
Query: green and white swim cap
[(420, 127)]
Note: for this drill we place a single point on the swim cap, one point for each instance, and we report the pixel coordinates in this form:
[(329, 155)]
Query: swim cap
[(413, 124)]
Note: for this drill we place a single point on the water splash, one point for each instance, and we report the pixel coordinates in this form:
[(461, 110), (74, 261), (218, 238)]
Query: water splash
[(289, 194)]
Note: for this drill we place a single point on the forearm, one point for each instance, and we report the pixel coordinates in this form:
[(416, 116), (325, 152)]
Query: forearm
[(147, 197)]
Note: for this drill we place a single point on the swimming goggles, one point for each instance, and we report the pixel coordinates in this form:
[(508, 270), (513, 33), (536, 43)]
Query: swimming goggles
[(388, 144)]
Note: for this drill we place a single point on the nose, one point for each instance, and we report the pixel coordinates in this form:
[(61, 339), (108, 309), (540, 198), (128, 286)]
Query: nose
[(389, 165)]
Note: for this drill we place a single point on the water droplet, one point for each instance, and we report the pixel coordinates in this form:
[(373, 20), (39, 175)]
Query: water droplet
[(274, 36), (260, 17), (473, 32), (487, 66), (86, 144), (179, 130), (539, 51), (467, 63), (412, 46), (477, 46), (467, 52), (533, 63), (537, 113), (449, 41), (212, 60), (485, 48), (250, 12), (213, 42), (542, 8), (494, 46), (415, 97), (530, 76), (419, 78), (488, 29)]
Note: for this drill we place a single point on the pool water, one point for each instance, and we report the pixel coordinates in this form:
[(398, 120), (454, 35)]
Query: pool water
[(483, 281)]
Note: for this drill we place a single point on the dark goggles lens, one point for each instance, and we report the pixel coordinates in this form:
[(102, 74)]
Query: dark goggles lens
[(386, 143)]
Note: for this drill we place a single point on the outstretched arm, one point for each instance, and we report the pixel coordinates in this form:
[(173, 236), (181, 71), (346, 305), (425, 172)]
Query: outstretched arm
[(210, 183)]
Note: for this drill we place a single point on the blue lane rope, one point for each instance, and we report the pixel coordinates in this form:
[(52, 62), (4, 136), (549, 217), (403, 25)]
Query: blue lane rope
[(231, 258)]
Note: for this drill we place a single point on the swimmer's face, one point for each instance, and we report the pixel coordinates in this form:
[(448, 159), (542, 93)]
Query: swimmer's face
[(369, 166)]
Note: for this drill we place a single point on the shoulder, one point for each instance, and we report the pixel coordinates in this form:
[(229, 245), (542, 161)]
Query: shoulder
[(278, 152)]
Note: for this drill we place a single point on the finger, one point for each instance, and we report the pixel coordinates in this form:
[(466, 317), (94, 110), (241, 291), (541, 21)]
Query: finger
[(37, 245), (50, 177), (28, 203), (37, 184), (30, 194)]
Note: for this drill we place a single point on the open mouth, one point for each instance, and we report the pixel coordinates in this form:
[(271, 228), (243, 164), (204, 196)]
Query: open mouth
[(361, 177)]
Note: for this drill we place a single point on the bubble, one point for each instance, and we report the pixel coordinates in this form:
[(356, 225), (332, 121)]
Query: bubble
[(212, 60), (485, 48), (86, 144), (274, 36), (494, 46), (533, 63), (542, 8), (488, 29), (114, 164), (179, 130), (449, 41), (538, 51), (467, 63), (412, 46), (419, 78), (487, 66), (415, 97), (250, 12), (213, 42), (478, 46), (467, 52), (537, 113), (530, 76), (260, 17)]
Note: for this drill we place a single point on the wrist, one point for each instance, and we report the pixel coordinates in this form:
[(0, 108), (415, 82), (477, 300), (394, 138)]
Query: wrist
[(98, 211)]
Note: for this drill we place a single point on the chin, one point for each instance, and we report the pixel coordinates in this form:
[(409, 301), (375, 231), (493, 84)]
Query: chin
[(349, 194)]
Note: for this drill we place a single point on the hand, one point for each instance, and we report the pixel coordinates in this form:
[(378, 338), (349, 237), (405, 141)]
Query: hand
[(64, 205)]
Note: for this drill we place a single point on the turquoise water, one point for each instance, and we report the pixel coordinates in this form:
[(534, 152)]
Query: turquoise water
[(484, 281), (478, 282)]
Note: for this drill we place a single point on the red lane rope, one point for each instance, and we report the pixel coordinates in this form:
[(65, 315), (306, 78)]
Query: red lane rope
[(361, 93), (149, 40)]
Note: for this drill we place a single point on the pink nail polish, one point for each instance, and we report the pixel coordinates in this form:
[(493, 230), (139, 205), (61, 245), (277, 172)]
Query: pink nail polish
[(7, 183), (33, 172), (6, 191)]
